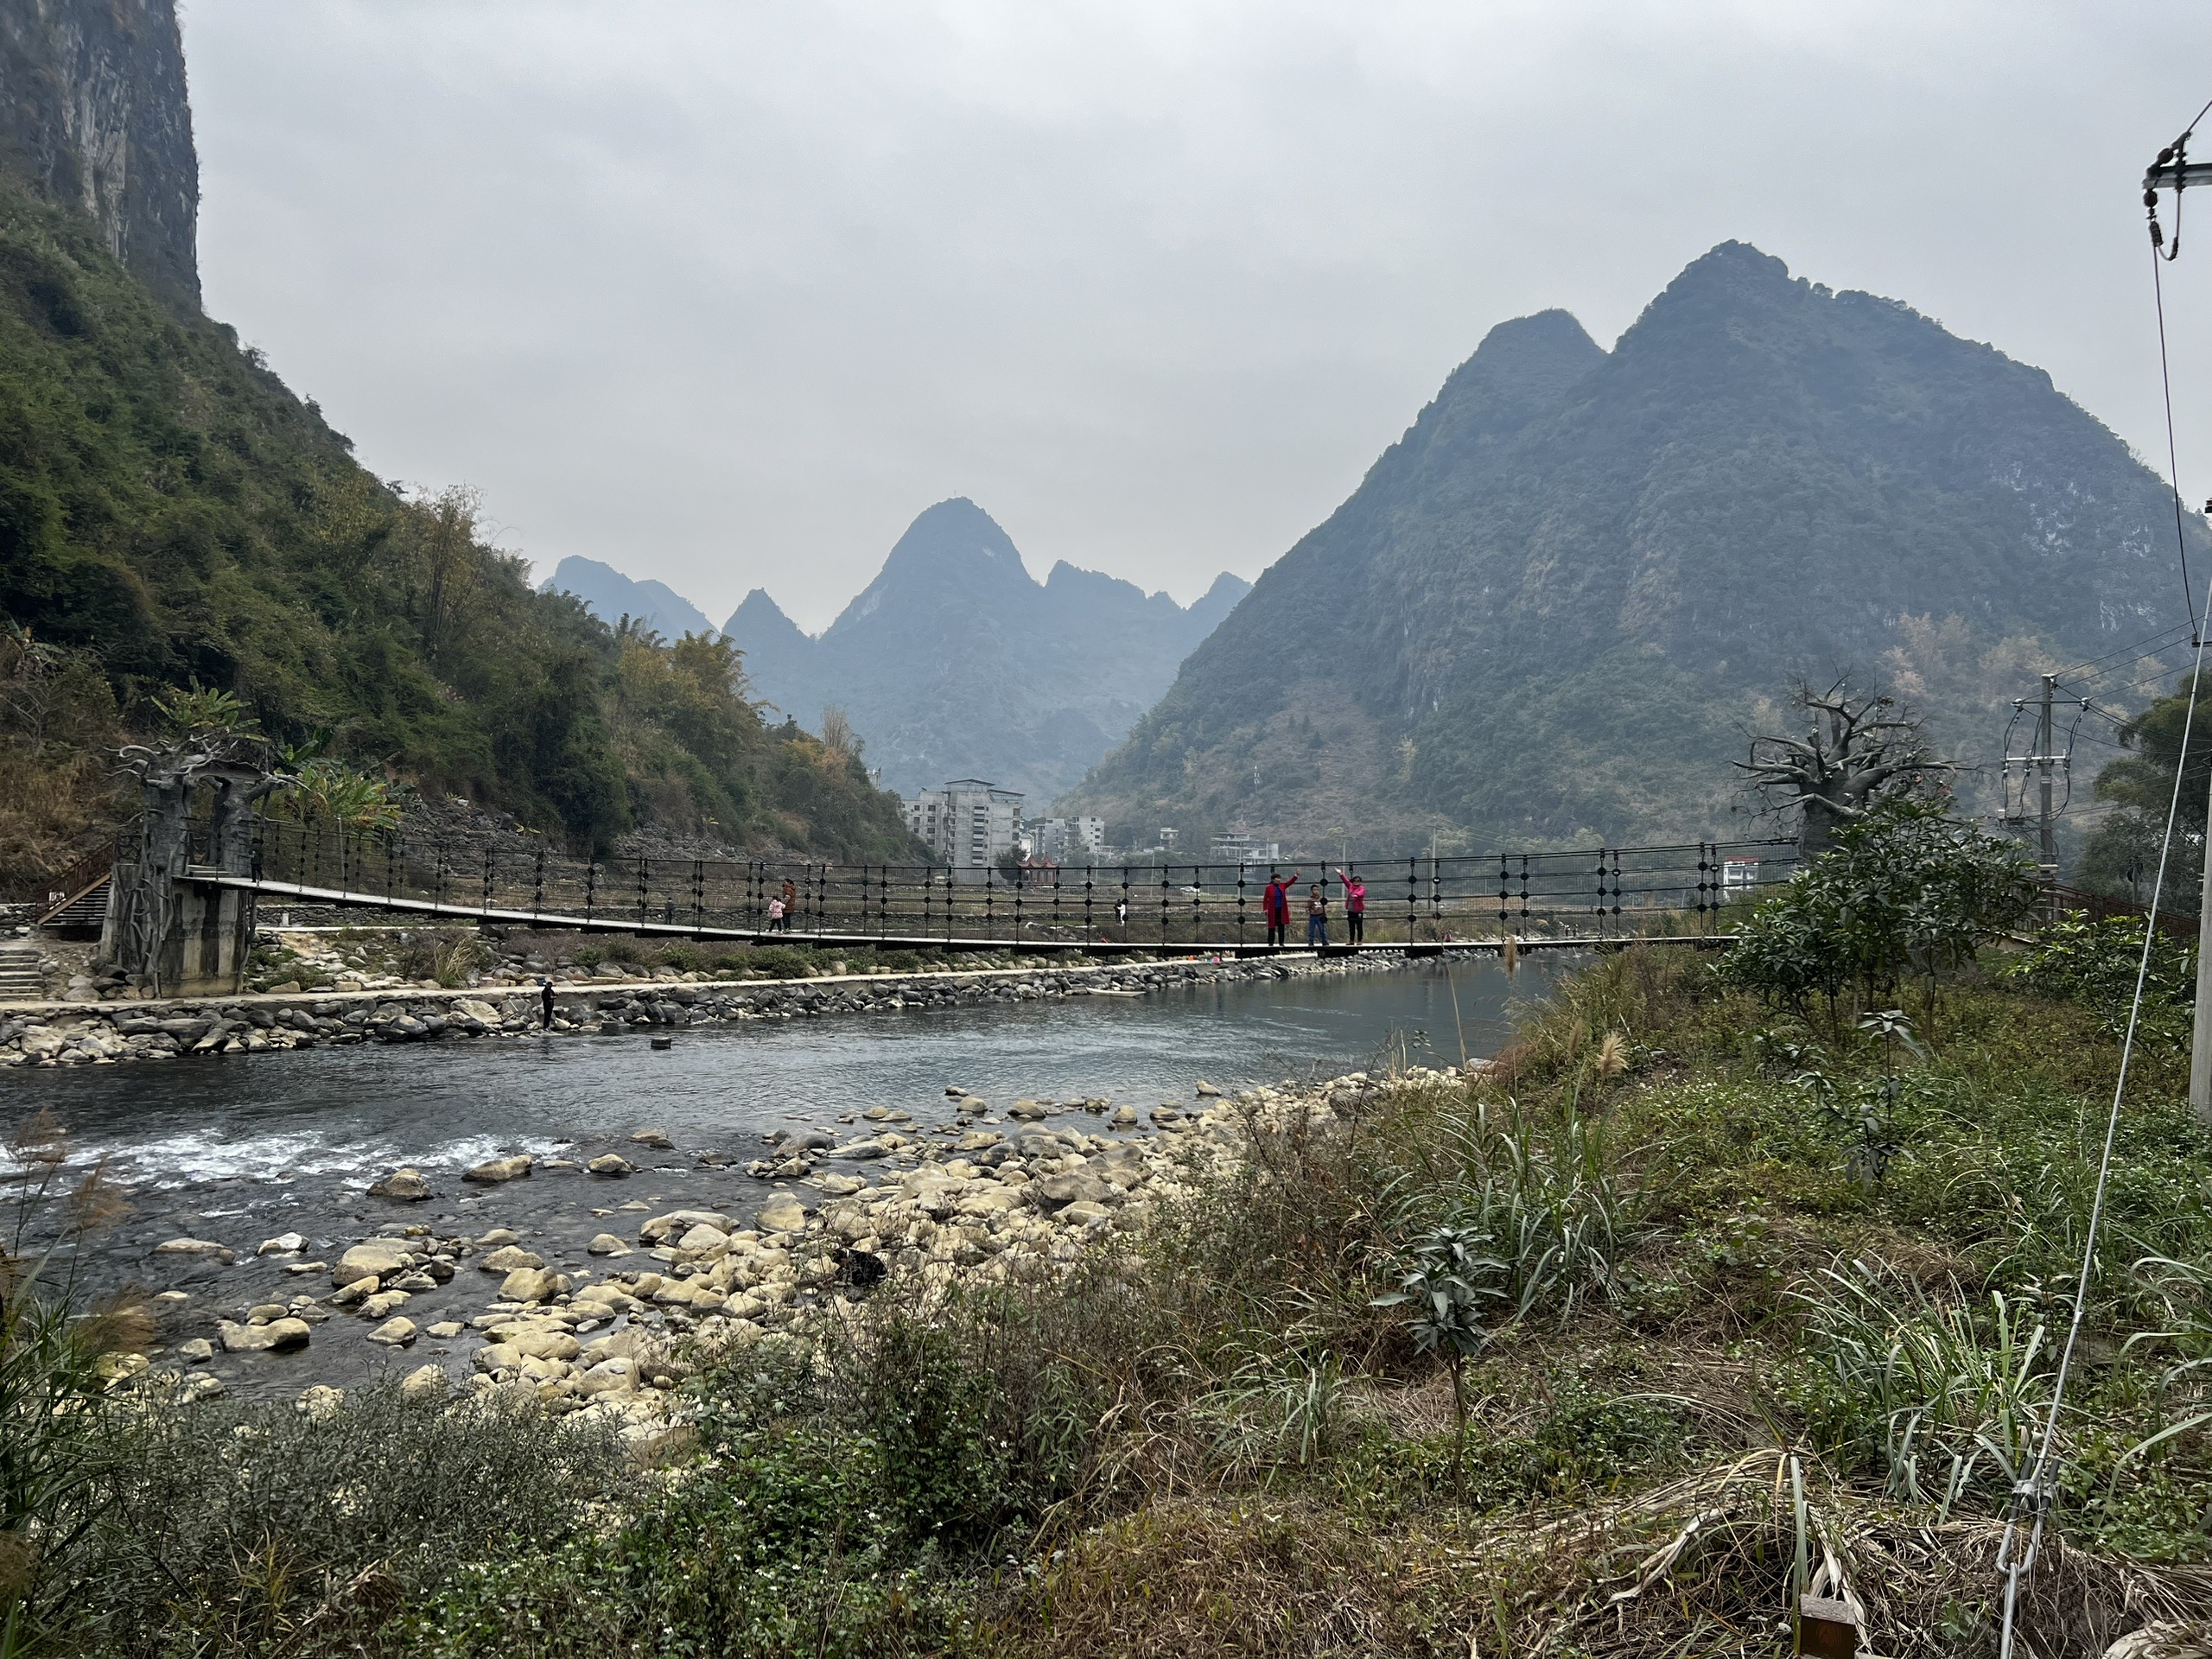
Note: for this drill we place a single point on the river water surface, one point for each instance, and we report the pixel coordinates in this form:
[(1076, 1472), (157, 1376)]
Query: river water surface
[(238, 1148), (344, 1111)]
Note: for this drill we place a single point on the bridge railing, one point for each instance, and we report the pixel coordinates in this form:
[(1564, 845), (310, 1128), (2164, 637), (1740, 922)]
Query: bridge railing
[(1594, 892)]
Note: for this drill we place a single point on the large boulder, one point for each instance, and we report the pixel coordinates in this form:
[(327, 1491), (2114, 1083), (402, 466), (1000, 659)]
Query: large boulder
[(531, 1285), (406, 1186), (207, 1247), (677, 1223), (380, 1258), (277, 1337), (783, 1214), (427, 1384), (1055, 1191), (508, 1257), (498, 1170), (611, 1164), (702, 1239), (394, 1333)]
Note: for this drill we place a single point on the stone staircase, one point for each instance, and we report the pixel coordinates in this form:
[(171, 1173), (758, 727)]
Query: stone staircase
[(20, 979)]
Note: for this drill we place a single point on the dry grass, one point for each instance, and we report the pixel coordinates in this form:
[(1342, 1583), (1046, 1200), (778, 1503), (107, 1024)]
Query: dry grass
[(1702, 1565)]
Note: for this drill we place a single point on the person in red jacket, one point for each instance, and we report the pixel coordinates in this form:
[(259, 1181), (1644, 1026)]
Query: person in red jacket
[(1275, 904)]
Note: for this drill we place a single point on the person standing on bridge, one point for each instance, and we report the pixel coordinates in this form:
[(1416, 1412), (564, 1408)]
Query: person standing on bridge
[(776, 914), (1316, 915), (1355, 907), (1275, 905), (790, 901)]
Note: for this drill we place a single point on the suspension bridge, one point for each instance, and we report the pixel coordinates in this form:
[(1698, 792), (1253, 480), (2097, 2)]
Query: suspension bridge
[(1596, 895)]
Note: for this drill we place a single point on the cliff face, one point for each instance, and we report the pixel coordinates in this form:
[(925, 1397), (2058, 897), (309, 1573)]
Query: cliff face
[(93, 114)]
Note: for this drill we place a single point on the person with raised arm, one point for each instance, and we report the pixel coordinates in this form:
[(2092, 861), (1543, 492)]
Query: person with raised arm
[(1355, 907)]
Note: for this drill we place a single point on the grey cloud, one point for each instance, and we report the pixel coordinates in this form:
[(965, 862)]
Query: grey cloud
[(724, 294)]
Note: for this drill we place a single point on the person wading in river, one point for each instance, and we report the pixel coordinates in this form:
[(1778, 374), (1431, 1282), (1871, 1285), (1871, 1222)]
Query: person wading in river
[(1355, 907)]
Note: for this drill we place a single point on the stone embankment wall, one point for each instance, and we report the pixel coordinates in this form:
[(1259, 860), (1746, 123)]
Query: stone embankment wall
[(93, 1033)]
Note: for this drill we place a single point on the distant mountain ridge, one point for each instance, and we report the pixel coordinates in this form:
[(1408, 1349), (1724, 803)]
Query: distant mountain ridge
[(1550, 609), (611, 596), (955, 661)]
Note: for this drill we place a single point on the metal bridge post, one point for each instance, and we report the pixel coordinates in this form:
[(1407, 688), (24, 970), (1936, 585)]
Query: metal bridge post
[(1089, 872), (642, 862), (537, 886), (1240, 906), (698, 894)]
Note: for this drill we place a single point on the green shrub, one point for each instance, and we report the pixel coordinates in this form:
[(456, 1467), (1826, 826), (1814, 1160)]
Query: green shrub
[(1907, 892), (2095, 963), (222, 1527)]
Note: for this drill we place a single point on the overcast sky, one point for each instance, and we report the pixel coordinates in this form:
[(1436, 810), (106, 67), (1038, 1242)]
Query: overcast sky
[(726, 293)]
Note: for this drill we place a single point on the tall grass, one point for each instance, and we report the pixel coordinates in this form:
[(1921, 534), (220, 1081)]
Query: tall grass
[(1951, 1398)]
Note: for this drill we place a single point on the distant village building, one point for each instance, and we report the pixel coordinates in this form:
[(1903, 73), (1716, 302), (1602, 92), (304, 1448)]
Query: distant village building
[(967, 824), (1246, 849), (1068, 841)]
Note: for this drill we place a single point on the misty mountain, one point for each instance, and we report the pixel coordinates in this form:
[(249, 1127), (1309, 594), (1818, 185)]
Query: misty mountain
[(610, 596), (956, 662), (1552, 608)]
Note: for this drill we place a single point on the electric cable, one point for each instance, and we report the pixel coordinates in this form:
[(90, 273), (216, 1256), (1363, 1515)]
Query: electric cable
[(2167, 381), (2035, 1490), (2033, 1487)]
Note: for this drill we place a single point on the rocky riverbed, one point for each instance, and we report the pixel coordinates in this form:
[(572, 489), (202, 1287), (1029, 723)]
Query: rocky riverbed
[(63, 1034), (597, 1281)]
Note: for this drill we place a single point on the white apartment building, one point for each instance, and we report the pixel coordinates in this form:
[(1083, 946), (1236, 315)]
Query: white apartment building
[(967, 824), (1068, 841), (1238, 848)]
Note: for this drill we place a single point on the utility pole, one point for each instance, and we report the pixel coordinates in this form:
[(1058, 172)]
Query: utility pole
[(2044, 759), (2199, 1038)]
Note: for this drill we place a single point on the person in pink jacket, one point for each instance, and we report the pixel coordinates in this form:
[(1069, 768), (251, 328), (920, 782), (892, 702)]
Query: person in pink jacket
[(1355, 907)]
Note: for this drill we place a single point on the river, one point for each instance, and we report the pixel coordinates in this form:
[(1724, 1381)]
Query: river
[(237, 1149)]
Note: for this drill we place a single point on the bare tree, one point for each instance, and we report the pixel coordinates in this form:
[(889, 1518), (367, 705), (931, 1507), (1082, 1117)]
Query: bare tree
[(837, 734), (1856, 751)]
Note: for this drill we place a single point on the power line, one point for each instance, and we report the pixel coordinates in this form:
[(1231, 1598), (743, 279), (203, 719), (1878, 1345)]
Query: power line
[(2035, 1491)]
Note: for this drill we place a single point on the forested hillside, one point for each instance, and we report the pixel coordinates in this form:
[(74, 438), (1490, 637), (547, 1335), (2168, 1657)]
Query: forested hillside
[(1554, 608), (170, 512)]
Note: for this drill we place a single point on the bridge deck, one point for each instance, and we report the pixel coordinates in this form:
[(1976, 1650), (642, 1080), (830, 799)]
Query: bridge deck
[(702, 929)]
